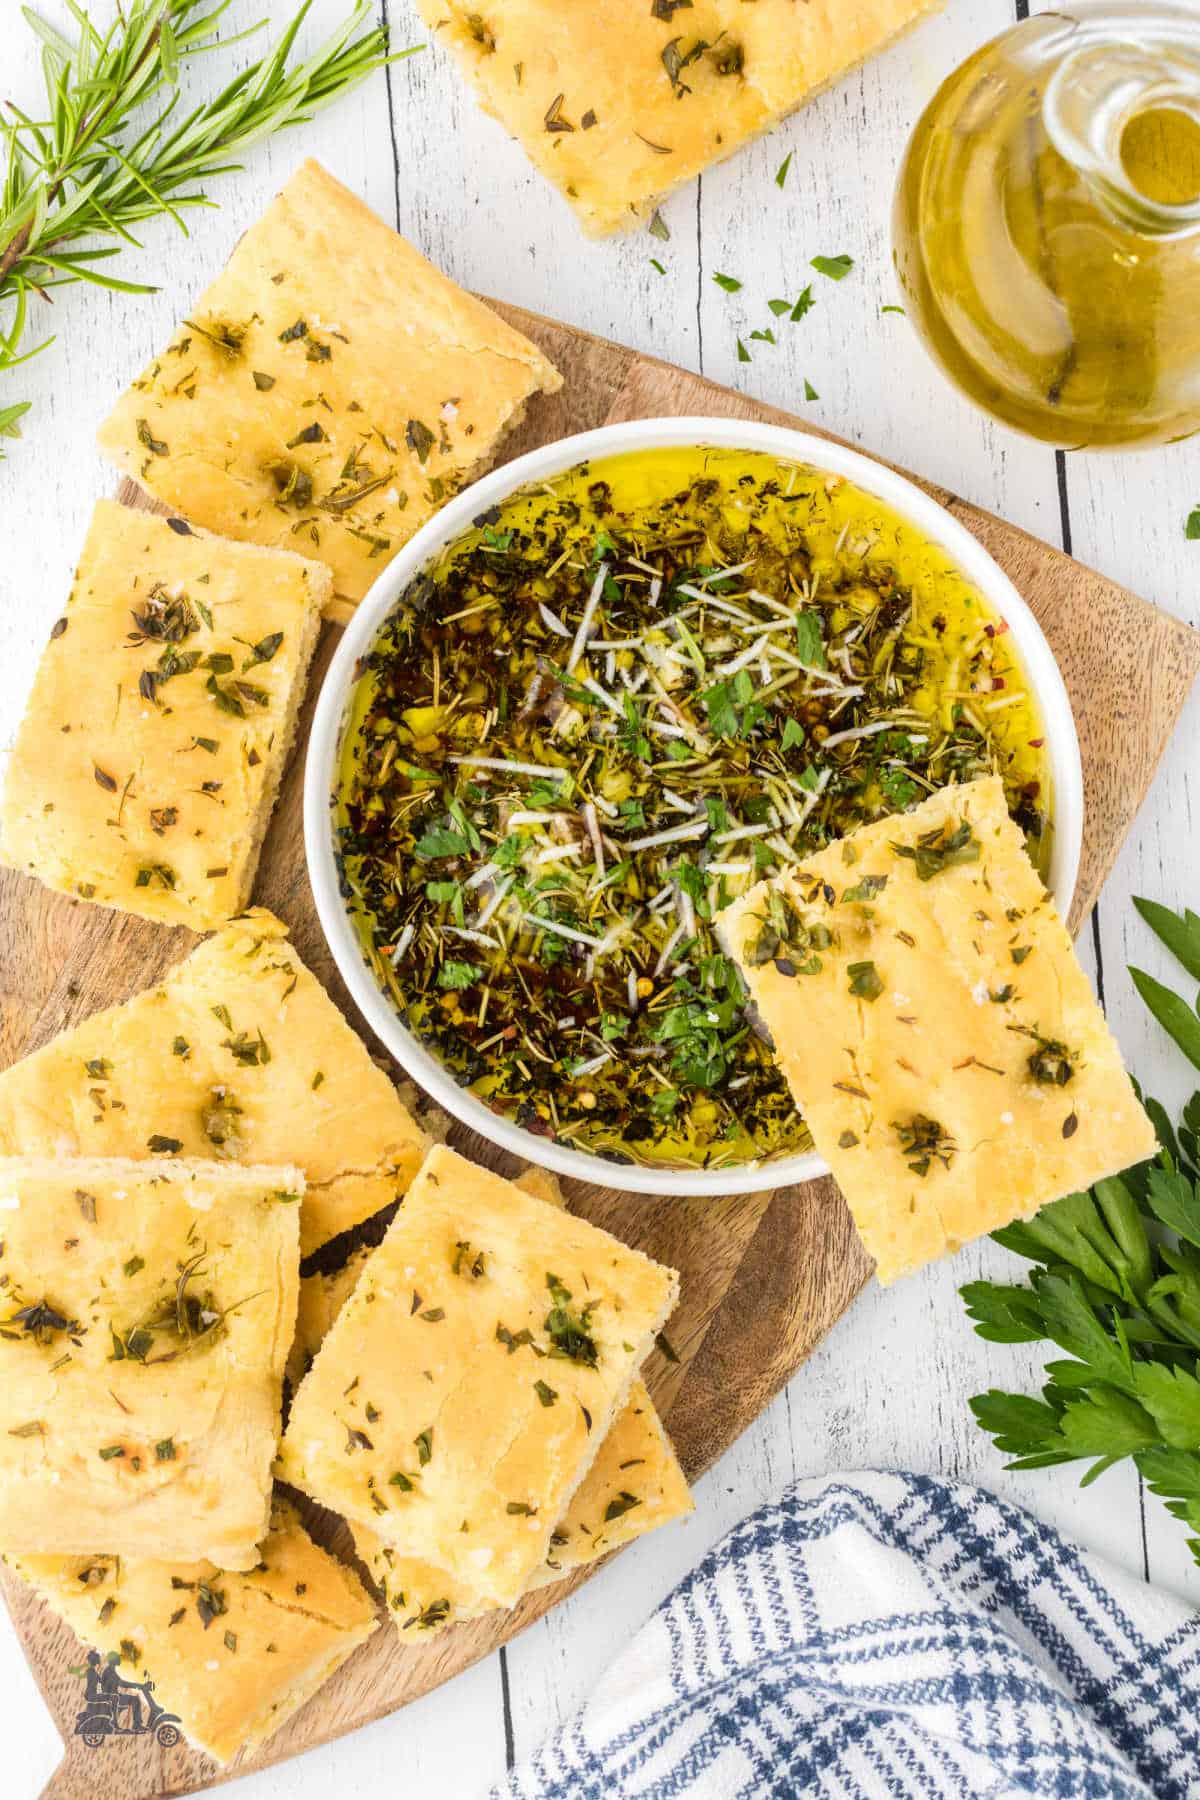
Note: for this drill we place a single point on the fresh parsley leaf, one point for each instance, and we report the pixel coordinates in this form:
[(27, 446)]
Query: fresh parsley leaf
[(810, 392), (728, 283), (719, 707), (1191, 530), (1179, 932), (810, 645), (804, 304), (781, 173), (457, 975), (835, 267), (440, 841), (1172, 1012), (743, 355)]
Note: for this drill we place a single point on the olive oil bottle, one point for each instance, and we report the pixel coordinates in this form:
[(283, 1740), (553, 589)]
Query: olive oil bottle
[(1047, 226)]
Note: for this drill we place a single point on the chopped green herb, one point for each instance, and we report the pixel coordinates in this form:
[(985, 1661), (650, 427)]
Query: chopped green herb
[(865, 983), (568, 1332), (618, 1507), (943, 848), (923, 1142)]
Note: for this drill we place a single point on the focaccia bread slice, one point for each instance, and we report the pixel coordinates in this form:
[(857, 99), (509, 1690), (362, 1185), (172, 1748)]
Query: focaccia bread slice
[(144, 1324), (327, 392), (232, 1655), (634, 1485), (467, 1383), (322, 1298), (161, 717), (620, 104), (239, 1054), (935, 1027)]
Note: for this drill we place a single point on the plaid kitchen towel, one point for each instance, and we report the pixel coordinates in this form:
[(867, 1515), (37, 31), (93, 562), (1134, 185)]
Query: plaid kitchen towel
[(889, 1635)]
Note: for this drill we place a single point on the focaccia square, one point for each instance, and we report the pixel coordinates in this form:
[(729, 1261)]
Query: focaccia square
[(145, 1319), (935, 1027), (467, 1383), (232, 1655), (327, 392), (161, 717), (241, 1055), (634, 1485), (620, 104)]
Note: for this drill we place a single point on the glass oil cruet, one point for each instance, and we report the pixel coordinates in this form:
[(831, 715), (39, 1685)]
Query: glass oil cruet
[(1047, 226)]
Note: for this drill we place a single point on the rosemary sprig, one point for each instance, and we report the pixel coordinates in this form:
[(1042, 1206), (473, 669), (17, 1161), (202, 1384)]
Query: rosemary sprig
[(1117, 1286), (78, 180)]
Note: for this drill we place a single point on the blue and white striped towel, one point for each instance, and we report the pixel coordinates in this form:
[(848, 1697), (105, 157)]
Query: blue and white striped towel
[(890, 1635)]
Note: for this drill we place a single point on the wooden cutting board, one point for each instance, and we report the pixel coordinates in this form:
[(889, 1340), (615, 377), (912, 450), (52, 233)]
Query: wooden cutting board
[(764, 1276)]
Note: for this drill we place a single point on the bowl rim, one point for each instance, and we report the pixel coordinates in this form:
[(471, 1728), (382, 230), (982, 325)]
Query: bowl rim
[(791, 444)]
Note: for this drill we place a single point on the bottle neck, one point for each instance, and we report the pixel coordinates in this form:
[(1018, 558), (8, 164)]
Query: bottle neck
[(1119, 67)]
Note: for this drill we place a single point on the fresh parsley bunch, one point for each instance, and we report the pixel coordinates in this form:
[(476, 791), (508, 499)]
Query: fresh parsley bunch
[(1116, 1285)]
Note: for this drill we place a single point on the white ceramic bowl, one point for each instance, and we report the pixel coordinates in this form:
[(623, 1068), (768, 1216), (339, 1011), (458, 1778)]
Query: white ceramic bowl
[(455, 518)]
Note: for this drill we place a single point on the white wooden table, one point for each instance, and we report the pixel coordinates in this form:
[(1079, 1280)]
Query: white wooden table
[(889, 1387)]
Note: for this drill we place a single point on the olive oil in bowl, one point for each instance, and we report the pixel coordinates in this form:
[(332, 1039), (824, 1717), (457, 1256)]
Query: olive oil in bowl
[(602, 714), (1047, 226)]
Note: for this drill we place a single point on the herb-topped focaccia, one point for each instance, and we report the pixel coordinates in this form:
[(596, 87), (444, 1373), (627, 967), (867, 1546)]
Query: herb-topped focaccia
[(327, 392), (634, 1485), (235, 1655), (240, 1054), (145, 1317), (468, 1382), (163, 710), (619, 104), (936, 1028)]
